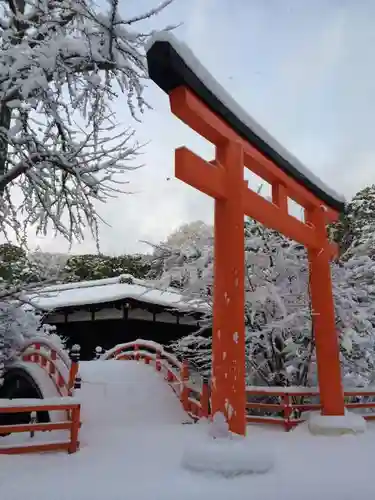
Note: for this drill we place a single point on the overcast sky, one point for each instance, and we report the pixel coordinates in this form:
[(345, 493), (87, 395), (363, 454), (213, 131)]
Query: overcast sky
[(303, 69)]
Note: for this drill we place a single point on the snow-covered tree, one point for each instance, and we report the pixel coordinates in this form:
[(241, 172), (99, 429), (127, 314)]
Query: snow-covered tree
[(355, 230), (18, 322), (53, 261), (354, 293), (279, 339), (185, 246), (62, 64)]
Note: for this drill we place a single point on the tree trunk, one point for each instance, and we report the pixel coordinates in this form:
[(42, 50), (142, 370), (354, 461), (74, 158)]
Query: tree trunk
[(18, 8), (5, 120)]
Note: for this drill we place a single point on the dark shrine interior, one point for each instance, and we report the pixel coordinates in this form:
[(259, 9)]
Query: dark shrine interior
[(110, 332)]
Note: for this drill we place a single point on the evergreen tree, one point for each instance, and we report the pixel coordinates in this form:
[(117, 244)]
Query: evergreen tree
[(171, 258), (94, 267)]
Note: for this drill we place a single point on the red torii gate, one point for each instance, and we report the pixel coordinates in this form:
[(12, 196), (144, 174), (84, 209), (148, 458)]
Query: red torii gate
[(191, 91)]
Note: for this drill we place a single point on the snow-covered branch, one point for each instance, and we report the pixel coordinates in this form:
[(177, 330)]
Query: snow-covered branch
[(62, 65)]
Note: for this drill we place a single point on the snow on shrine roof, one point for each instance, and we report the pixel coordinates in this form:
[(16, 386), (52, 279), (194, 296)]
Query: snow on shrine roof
[(110, 290), (172, 64)]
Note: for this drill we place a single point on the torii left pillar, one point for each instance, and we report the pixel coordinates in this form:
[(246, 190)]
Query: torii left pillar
[(225, 183), (228, 335)]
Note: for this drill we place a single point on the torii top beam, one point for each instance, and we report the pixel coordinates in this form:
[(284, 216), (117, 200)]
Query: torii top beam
[(171, 65)]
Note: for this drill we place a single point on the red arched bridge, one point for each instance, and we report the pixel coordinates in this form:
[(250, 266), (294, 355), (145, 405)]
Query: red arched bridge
[(40, 390)]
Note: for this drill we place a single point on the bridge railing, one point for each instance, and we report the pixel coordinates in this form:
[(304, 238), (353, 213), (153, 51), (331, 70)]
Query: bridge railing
[(286, 406), (55, 361), (265, 405), (32, 406), (194, 397)]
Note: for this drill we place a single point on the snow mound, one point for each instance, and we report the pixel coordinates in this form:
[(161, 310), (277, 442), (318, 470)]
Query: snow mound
[(350, 423), (219, 427), (127, 393), (226, 457)]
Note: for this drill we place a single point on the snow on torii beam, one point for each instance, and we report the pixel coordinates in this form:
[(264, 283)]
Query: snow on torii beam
[(199, 101)]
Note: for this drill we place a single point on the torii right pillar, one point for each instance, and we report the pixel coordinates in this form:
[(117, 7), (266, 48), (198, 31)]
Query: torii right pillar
[(323, 318)]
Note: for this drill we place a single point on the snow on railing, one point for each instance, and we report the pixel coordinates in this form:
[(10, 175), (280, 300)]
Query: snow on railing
[(286, 406), (48, 344), (33, 406), (149, 345), (54, 361), (194, 400)]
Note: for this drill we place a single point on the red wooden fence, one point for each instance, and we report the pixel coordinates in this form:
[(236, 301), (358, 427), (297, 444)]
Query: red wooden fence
[(72, 424), (285, 406)]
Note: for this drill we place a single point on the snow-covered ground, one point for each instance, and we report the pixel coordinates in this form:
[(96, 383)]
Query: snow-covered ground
[(133, 440)]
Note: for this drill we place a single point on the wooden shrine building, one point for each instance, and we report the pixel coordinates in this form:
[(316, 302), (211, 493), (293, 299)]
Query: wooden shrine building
[(111, 311)]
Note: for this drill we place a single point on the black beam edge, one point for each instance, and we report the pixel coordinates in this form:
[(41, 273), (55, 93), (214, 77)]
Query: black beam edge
[(169, 70)]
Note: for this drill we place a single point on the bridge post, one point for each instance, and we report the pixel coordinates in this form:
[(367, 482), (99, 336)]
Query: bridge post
[(74, 356), (98, 352)]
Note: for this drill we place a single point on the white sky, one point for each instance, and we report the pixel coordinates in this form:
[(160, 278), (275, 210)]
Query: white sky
[(304, 70)]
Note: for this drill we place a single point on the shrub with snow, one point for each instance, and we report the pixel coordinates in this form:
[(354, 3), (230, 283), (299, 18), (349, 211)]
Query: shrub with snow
[(17, 324)]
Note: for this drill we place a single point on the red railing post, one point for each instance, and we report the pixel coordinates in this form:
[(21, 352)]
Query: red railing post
[(36, 356), (52, 367), (136, 352), (205, 398), (184, 395), (60, 381), (74, 430), (170, 376), (158, 361), (287, 410)]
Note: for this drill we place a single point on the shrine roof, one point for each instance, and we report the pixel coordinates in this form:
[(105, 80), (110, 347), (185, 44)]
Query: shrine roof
[(109, 290)]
